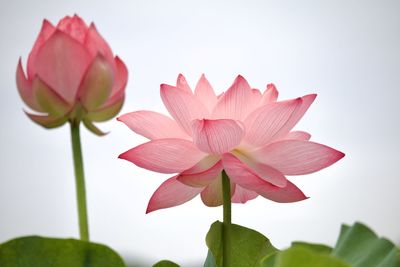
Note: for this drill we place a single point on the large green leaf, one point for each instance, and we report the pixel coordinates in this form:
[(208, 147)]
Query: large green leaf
[(35, 251), (299, 256), (248, 246), (210, 260), (357, 246)]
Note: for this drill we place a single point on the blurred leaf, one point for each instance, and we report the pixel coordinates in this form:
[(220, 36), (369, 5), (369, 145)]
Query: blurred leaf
[(248, 246), (35, 251), (300, 256), (357, 246), (210, 261), (165, 263), (361, 247), (324, 249)]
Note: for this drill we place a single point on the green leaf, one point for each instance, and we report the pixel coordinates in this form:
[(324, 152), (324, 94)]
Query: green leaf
[(248, 246), (165, 263), (357, 246), (35, 251)]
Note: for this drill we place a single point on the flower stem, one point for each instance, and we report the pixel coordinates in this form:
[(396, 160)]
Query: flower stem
[(226, 235), (80, 182)]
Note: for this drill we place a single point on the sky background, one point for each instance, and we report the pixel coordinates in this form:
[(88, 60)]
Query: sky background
[(348, 52)]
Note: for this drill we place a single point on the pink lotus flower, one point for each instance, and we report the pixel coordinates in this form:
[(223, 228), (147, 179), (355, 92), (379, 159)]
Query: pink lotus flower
[(72, 75), (241, 131)]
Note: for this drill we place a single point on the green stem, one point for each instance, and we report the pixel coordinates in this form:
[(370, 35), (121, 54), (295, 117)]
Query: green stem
[(80, 182), (226, 235)]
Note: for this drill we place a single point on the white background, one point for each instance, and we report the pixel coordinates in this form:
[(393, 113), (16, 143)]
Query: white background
[(348, 52)]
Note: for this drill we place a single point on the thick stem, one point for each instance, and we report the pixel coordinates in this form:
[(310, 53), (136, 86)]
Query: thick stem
[(80, 182), (226, 235)]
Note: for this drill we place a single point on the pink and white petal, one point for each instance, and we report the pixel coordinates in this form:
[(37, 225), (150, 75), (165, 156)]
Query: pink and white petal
[(97, 83), (106, 112), (242, 195), (298, 135), (288, 194), (245, 177), (256, 97), (212, 194), (25, 89), (152, 125), (239, 173), (269, 174), (297, 157), (204, 164), (181, 83), (183, 106), (270, 95), (45, 32), (216, 136), (74, 27), (236, 103), (265, 123), (205, 93), (95, 44), (169, 155), (200, 179), (120, 80), (171, 193), (47, 121), (51, 102), (61, 62)]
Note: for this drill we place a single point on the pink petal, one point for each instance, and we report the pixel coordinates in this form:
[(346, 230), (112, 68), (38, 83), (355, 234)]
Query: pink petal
[(236, 103), (183, 84), (288, 194), (171, 193), (264, 171), (164, 155), (183, 106), (270, 95), (74, 27), (95, 44), (201, 178), (205, 93), (96, 84), (256, 96), (152, 125), (242, 195), (212, 194), (216, 136), (51, 102), (306, 102), (298, 135), (45, 32), (296, 157), (244, 176), (25, 89), (61, 62), (106, 112), (265, 123)]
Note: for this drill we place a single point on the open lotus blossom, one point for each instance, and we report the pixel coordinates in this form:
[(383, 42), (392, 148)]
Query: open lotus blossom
[(72, 75), (242, 131)]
